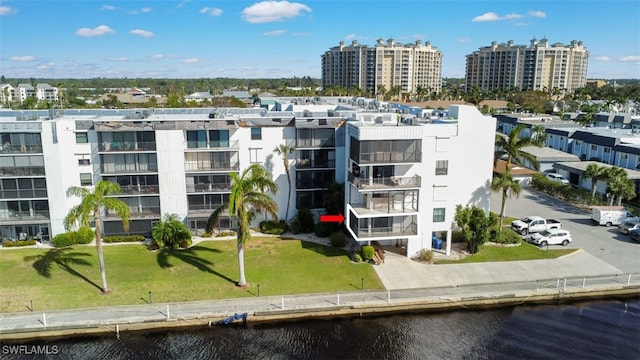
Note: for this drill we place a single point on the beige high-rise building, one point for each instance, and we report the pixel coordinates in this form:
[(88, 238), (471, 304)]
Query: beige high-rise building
[(410, 66), (539, 66)]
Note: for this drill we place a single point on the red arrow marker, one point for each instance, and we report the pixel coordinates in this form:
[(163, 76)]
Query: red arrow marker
[(332, 218)]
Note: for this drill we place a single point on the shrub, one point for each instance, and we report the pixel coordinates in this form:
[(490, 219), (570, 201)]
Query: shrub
[(357, 257), (225, 233), (338, 239), (123, 238), (506, 236), (84, 235), (186, 243), (425, 255), (304, 221), (457, 237), (368, 252), (272, 227), (63, 240), (8, 243), (325, 229), (206, 234)]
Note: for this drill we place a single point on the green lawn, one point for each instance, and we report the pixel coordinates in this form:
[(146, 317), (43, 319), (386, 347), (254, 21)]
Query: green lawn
[(524, 251), (70, 277)]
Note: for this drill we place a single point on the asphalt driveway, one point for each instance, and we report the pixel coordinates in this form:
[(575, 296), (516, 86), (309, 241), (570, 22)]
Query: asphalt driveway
[(608, 244)]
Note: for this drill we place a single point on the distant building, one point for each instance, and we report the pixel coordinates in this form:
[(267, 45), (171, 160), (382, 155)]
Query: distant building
[(539, 66), (24, 91), (46, 92), (389, 64)]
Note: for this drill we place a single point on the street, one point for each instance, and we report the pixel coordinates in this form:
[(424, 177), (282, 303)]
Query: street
[(608, 244)]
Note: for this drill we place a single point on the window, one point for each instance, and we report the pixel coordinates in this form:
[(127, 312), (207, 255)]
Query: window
[(624, 156), (256, 133), (607, 150), (84, 162), (594, 147), (82, 138), (442, 166), (254, 155), (438, 214), (85, 179)]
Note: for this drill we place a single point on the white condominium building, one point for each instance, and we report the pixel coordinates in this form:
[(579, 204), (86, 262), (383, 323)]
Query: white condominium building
[(387, 64), (539, 66), (411, 173)]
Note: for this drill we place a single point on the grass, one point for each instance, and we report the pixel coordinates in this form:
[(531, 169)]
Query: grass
[(70, 277), (524, 251)]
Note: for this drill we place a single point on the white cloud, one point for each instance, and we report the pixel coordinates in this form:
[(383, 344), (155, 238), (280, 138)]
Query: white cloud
[(108, 8), (190, 61), (158, 56), (269, 11), (537, 13), (630, 59), (44, 66), (602, 58), (462, 40), (23, 58), (97, 31), (141, 11), (140, 32), (351, 36), (211, 11), (7, 10), (274, 33), (181, 4), (491, 16), (118, 59)]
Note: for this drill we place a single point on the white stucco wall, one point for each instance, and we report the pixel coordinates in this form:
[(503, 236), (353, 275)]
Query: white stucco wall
[(170, 146)]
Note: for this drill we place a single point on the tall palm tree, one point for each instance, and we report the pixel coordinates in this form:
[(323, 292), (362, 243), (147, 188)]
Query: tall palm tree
[(620, 185), (285, 150), (594, 172), (382, 90), (508, 186), (512, 145), (91, 205), (246, 194)]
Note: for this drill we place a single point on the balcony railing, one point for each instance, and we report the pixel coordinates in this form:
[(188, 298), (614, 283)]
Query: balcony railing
[(26, 149), (315, 143), (308, 164), (212, 145), (22, 171), (13, 216), (388, 231), (119, 146), (139, 168), (196, 188), (208, 209), (139, 189), (138, 212), (391, 182), (390, 157), (23, 193), (212, 166)]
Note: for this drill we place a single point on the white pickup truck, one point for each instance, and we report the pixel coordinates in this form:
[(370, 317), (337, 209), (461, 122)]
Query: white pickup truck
[(534, 224)]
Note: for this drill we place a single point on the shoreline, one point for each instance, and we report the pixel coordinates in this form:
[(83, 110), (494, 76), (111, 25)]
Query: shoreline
[(381, 307)]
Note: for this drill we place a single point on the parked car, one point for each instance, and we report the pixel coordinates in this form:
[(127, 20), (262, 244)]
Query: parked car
[(611, 215), (533, 224), (628, 225), (550, 237), (635, 235), (558, 178)]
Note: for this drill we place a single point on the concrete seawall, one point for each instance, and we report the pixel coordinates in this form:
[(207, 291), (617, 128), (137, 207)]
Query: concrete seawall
[(301, 308)]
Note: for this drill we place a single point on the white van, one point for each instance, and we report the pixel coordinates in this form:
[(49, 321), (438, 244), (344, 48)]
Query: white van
[(611, 215)]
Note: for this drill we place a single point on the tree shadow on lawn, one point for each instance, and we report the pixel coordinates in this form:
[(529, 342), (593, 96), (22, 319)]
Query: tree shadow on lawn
[(323, 249), (190, 256), (42, 263)]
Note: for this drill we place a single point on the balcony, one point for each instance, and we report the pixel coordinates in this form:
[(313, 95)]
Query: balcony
[(13, 217), (137, 213), (199, 210), (385, 183), (364, 232), (309, 164), (120, 146), (390, 157), (110, 168), (211, 187), (22, 171), (21, 148), (212, 145), (139, 189), (211, 166)]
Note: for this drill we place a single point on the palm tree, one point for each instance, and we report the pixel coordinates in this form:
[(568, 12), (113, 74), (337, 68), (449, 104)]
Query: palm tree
[(246, 193), (285, 150), (171, 232), (512, 145), (91, 205), (508, 186), (620, 185), (382, 90), (595, 173)]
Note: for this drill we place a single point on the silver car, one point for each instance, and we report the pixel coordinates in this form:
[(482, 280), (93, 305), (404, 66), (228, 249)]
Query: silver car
[(627, 226)]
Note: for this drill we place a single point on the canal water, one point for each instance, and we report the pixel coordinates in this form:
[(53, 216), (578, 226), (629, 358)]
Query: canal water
[(586, 330)]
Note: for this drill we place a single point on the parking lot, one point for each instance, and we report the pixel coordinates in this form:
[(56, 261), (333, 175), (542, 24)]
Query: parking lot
[(608, 244)]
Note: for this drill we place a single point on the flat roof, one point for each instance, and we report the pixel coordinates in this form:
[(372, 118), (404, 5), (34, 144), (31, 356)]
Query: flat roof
[(582, 166)]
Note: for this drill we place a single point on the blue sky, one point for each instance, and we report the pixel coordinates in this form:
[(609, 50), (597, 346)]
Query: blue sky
[(283, 39)]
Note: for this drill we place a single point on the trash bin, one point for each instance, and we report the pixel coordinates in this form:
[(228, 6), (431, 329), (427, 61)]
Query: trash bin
[(436, 243)]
